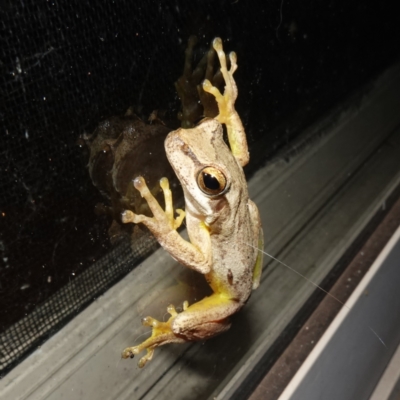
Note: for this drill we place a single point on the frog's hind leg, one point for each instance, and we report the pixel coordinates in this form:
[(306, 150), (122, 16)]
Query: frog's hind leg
[(206, 318), (200, 321)]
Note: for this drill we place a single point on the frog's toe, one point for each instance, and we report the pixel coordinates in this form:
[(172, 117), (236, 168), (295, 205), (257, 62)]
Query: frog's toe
[(209, 88), (207, 85), (149, 321), (233, 58), (233, 61), (130, 352), (164, 183), (149, 355), (217, 44), (172, 311), (128, 216), (139, 183)]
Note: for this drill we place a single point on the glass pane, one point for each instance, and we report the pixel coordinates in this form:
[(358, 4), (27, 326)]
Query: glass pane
[(72, 69)]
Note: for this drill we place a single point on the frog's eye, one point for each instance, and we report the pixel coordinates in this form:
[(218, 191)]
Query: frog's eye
[(211, 181)]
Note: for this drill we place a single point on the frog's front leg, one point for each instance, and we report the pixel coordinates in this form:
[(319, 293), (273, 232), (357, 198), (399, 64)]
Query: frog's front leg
[(164, 227), (226, 105)]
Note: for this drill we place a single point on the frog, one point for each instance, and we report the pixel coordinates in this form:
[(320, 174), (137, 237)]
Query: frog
[(223, 224)]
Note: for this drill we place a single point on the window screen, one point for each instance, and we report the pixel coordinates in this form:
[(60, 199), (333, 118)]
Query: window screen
[(68, 66)]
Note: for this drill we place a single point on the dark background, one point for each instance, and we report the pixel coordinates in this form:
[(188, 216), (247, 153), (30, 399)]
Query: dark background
[(65, 66)]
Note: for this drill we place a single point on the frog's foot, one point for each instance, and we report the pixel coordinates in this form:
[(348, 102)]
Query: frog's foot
[(226, 104), (162, 221), (225, 101), (161, 334)]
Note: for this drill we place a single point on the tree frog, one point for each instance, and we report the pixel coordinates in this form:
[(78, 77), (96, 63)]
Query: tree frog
[(223, 223)]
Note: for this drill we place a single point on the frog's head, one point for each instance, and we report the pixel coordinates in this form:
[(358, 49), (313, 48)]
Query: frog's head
[(210, 175)]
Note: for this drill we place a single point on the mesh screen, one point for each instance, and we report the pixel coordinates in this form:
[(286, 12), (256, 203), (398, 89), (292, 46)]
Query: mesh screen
[(66, 66)]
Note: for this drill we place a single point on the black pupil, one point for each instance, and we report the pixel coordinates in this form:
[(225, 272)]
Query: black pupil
[(210, 181)]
